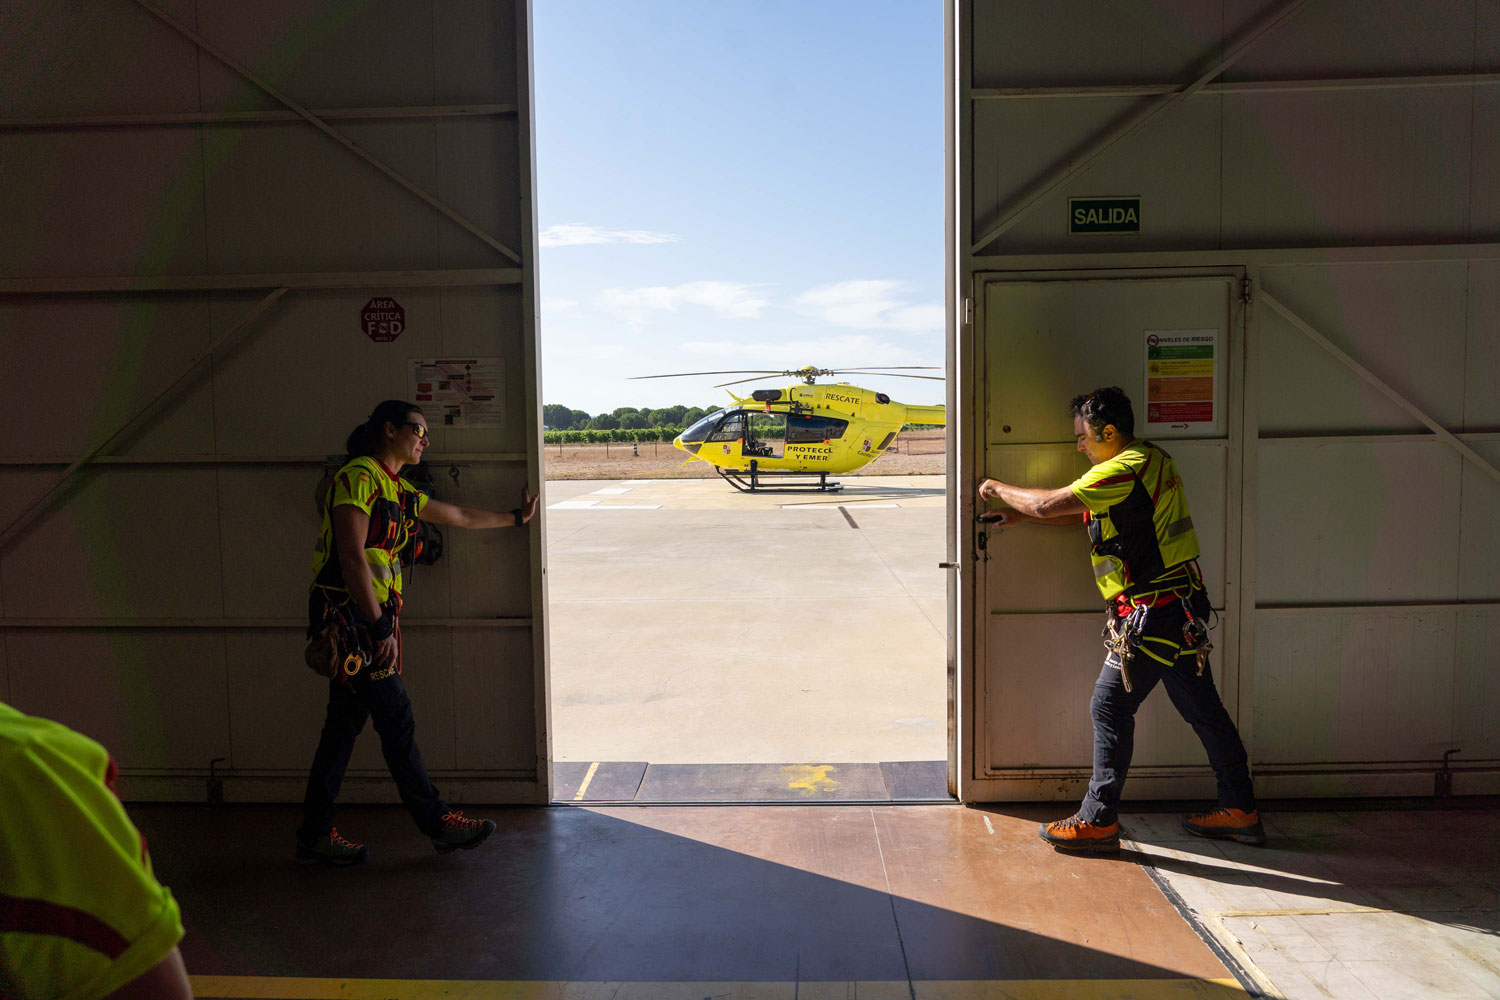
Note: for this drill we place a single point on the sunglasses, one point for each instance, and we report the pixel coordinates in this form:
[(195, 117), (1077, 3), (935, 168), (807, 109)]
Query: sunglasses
[(417, 429)]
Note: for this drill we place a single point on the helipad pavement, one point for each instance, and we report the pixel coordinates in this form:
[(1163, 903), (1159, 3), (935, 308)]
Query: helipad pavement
[(690, 623)]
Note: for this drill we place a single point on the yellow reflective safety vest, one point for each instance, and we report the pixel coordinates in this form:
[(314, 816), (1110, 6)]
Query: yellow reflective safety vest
[(393, 505), (81, 913), (1140, 529)]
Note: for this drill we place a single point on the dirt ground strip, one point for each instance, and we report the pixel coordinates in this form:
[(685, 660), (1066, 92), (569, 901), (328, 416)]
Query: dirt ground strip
[(918, 453)]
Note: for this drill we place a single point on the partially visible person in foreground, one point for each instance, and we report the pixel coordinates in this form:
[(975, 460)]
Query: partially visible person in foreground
[(81, 914), (1145, 559), (368, 516)]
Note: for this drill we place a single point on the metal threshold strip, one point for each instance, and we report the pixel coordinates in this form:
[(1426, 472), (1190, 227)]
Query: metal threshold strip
[(724, 784)]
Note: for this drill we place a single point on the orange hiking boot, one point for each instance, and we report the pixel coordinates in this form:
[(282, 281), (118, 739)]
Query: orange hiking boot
[(459, 832), (1227, 824), (1074, 834)]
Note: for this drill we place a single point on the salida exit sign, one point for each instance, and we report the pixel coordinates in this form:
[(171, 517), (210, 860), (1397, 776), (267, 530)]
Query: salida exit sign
[(1104, 215)]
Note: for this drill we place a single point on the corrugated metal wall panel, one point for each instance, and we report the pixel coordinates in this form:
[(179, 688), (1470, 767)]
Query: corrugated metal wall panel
[(1347, 38), (1354, 511), (1353, 686), (1300, 167), (1408, 322), (170, 585), (1075, 42), (59, 53)]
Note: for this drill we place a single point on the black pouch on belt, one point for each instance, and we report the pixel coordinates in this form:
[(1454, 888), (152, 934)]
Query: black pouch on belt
[(334, 641)]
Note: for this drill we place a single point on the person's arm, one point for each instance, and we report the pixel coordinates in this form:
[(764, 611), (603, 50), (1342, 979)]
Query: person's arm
[(1040, 506), (455, 516), (166, 980), (1007, 516)]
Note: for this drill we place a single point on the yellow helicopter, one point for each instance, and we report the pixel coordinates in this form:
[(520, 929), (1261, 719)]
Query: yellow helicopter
[(780, 439)]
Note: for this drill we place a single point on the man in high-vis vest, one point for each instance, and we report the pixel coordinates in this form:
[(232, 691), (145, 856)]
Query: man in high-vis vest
[(1145, 560), (81, 914)]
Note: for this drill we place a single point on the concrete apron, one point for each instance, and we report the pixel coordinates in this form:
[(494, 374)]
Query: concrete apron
[(691, 624)]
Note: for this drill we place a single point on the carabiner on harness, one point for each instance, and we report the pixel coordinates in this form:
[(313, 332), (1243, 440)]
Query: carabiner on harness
[(1195, 636), (1120, 639)]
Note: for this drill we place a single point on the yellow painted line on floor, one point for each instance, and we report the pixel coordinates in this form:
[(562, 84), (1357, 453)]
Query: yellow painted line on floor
[(593, 770), (278, 988)]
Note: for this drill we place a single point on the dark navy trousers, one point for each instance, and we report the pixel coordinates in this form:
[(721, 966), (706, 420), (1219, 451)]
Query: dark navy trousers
[(386, 702), (1196, 699)]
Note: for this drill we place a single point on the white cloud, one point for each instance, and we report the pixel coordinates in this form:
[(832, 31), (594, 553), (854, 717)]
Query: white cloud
[(595, 352), (573, 234), (869, 305), (731, 299)]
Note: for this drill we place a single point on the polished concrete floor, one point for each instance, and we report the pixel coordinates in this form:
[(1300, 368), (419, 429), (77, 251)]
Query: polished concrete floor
[(916, 901)]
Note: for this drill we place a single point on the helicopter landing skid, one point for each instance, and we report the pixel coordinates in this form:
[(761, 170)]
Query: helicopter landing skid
[(759, 482)]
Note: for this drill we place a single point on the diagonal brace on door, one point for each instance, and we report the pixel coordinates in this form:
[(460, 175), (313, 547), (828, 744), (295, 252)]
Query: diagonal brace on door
[(1032, 196), (139, 419), (330, 131), (1390, 393)]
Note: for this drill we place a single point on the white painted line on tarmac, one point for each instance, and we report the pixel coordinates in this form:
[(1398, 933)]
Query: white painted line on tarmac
[(611, 491), (572, 504), (629, 506)]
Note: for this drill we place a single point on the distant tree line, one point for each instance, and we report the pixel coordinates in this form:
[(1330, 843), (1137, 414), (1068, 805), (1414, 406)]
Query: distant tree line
[(557, 417)]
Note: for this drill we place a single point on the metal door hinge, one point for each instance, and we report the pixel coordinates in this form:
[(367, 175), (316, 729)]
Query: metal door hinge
[(1247, 289), (968, 311), (947, 565)]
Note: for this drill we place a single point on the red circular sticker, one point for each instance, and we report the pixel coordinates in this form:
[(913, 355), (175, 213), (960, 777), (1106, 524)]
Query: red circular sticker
[(382, 320)]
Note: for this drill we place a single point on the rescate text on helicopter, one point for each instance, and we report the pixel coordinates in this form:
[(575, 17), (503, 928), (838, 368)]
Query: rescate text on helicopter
[(829, 429)]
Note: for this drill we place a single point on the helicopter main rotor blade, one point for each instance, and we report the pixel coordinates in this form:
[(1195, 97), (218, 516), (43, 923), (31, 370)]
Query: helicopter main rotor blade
[(756, 378), (930, 378), (735, 371), (886, 368)]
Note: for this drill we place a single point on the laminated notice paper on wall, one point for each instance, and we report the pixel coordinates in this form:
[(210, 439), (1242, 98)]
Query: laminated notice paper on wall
[(1184, 395), (459, 392)]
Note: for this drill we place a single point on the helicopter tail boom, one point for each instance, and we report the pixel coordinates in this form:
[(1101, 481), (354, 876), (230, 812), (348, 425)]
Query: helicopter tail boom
[(927, 415)]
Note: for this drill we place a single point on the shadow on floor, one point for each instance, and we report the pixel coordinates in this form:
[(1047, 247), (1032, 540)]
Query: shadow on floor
[(576, 894)]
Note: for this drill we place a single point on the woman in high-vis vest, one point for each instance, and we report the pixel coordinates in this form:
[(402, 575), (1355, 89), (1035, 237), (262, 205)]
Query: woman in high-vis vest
[(1145, 560), (355, 601)]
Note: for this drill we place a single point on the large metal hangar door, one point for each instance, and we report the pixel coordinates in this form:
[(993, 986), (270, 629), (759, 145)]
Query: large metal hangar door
[(231, 229), (1301, 196)]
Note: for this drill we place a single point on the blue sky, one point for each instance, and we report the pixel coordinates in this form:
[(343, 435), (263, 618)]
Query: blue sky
[(729, 184)]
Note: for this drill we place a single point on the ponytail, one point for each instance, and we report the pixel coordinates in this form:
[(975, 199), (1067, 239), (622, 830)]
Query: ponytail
[(366, 438)]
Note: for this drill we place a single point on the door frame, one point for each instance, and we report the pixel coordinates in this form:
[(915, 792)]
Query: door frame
[(975, 779)]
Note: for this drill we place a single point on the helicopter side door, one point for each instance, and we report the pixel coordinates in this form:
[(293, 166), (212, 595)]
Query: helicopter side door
[(812, 440), (726, 445)]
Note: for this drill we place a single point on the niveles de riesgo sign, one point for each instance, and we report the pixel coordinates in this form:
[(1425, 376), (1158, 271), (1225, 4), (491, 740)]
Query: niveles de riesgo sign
[(382, 320), (1182, 383)]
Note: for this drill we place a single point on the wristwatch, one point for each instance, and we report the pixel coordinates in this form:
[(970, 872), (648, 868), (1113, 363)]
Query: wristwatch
[(517, 515)]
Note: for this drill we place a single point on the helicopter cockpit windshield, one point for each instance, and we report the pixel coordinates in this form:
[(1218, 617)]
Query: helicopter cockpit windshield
[(732, 428), (701, 430)]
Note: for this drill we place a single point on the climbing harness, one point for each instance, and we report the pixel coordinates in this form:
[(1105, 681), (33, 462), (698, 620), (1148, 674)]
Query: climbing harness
[(1126, 623)]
